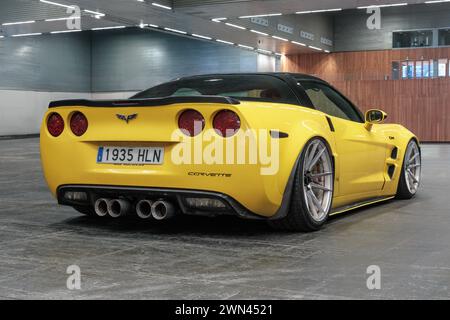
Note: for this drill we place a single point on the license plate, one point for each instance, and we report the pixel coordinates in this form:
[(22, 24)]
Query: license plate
[(125, 155)]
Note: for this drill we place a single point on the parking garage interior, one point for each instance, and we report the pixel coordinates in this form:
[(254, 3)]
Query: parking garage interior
[(118, 48)]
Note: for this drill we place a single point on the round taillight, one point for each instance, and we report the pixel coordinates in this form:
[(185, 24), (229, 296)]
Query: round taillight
[(226, 123), (55, 124), (191, 122), (78, 124)]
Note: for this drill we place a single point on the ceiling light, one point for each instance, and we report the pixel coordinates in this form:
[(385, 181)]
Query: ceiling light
[(327, 51), (280, 38), (299, 43), (153, 26), (65, 31), (384, 5), (62, 19), (436, 1), (223, 41), (109, 28), (219, 19), (319, 11), (175, 30), (246, 47), (96, 14), (314, 48), (15, 23), (261, 15), (161, 6), (235, 26), (56, 4), (201, 37), (26, 34), (259, 32), (264, 51)]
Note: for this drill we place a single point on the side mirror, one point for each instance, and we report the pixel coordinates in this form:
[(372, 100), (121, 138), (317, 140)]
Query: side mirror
[(374, 116)]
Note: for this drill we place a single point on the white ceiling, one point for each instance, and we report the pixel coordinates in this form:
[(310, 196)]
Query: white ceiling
[(191, 16)]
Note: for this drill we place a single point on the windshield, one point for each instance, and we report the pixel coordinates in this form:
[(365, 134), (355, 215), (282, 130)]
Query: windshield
[(242, 87)]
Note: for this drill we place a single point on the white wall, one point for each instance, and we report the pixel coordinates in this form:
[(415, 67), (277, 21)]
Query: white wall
[(21, 112)]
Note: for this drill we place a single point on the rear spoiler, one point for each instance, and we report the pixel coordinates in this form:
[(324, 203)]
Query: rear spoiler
[(143, 102)]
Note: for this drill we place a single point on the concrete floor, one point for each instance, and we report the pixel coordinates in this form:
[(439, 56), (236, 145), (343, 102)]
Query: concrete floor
[(202, 258)]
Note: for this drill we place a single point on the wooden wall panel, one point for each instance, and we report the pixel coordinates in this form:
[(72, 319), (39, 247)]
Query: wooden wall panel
[(421, 105)]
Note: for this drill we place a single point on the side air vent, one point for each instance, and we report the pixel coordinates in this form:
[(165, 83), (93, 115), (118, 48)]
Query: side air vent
[(330, 123), (394, 153), (391, 170)]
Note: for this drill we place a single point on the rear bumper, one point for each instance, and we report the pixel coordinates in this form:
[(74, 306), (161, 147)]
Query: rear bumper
[(177, 196)]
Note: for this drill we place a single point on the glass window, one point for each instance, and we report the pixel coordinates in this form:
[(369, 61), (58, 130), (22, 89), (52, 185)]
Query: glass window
[(404, 70), (444, 37), (242, 87), (395, 70), (442, 68), (330, 101), (433, 68), (412, 39), (426, 69), (419, 68), (411, 70)]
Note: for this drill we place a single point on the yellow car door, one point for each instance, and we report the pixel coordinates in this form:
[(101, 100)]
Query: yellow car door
[(361, 153), (362, 158)]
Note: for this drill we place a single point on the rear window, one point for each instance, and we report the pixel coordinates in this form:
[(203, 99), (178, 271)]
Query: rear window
[(242, 87)]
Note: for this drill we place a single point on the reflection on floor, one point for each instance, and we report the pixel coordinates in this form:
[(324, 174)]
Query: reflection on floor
[(202, 258)]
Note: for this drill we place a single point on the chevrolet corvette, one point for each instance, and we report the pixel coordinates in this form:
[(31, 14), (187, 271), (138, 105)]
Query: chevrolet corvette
[(287, 148)]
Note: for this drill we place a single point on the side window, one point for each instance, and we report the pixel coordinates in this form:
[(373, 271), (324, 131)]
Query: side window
[(329, 101)]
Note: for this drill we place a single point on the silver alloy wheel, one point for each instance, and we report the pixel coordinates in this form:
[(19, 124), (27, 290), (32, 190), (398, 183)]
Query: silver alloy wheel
[(412, 167), (318, 180)]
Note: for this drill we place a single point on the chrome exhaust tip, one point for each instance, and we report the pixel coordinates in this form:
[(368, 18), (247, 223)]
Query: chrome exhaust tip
[(101, 207), (118, 208), (144, 209), (163, 210)]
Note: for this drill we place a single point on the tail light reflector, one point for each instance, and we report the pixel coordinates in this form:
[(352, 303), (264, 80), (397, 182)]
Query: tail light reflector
[(226, 123), (78, 124), (191, 122), (55, 124)]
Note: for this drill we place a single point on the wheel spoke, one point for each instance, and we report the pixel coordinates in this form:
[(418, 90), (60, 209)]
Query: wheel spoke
[(311, 156), (316, 201), (312, 207), (412, 166), (318, 186), (316, 158), (318, 175), (413, 157), (413, 177)]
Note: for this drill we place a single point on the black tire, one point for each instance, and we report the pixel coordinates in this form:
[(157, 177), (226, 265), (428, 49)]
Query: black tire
[(88, 211), (403, 192), (299, 218)]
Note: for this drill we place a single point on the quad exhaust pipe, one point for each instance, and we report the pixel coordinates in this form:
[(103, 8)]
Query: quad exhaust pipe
[(159, 210), (162, 210), (145, 209), (101, 207), (115, 208), (118, 208)]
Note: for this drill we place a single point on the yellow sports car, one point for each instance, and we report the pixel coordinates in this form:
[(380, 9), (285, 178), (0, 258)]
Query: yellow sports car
[(287, 148)]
